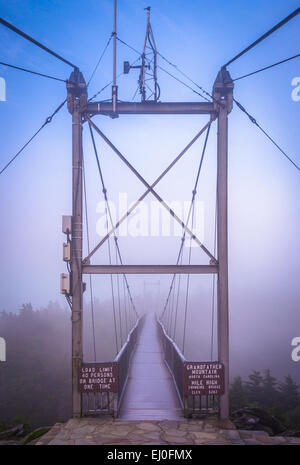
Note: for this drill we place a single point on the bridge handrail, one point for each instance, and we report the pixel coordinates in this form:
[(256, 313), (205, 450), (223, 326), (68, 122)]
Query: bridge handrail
[(180, 354), (94, 403), (123, 360), (123, 348), (175, 361)]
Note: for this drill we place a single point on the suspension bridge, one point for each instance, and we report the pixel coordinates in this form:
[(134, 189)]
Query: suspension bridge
[(150, 378)]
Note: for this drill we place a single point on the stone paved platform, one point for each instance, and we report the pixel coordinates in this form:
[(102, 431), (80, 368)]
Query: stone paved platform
[(106, 431)]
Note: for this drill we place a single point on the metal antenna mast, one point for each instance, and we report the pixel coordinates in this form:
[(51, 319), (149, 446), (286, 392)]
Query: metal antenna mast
[(148, 68), (149, 39), (114, 86)]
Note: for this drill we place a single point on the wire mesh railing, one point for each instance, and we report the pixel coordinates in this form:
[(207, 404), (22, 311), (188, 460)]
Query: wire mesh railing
[(191, 401), (102, 385), (123, 358)]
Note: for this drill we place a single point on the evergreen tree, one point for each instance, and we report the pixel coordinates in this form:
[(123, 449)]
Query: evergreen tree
[(35, 381), (238, 397), (269, 392), (289, 393), (254, 388)]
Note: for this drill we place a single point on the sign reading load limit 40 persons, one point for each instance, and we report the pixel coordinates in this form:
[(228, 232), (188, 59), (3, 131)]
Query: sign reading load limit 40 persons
[(98, 377), (203, 378)]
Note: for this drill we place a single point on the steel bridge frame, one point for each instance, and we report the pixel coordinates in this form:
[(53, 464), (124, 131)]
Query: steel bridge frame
[(81, 110)]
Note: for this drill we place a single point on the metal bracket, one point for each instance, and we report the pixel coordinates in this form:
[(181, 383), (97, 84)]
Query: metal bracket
[(223, 90), (76, 91)]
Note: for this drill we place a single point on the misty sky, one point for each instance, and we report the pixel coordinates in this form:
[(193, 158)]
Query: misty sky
[(264, 189)]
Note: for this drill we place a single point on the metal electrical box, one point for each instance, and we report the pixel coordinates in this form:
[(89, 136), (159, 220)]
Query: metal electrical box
[(67, 224), (126, 67), (66, 252), (64, 283)]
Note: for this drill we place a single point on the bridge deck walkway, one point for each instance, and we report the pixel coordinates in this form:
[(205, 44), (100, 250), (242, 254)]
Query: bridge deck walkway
[(150, 392)]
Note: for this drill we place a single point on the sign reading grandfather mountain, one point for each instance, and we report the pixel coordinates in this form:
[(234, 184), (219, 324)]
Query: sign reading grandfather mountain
[(98, 377), (203, 378)]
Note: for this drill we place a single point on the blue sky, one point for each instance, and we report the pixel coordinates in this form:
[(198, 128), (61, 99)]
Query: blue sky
[(198, 36)]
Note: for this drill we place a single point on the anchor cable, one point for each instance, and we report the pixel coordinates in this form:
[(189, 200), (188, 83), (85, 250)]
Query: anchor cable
[(47, 121), (264, 36), (266, 67), (35, 42), (32, 72), (253, 120)]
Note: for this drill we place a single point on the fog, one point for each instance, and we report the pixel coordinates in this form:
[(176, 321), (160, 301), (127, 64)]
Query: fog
[(264, 188), (259, 340)]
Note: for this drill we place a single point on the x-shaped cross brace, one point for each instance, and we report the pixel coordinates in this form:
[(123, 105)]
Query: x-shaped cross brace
[(150, 188)]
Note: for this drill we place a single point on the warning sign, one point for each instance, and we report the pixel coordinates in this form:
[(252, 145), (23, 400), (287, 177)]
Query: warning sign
[(98, 377)]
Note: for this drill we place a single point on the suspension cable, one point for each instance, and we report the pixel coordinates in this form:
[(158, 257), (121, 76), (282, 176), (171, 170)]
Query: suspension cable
[(109, 249), (125, 308), (179, 257), (119, 302), (173, 278), (189, 212), (112, 289), (253, 120), (32, 72), (104, 190), (168, 313), (171, 307), (47, 121), (266, 67), (264, 36), (187, 286), (35, 42), (88, 246), (177, 301), (129, 312)]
